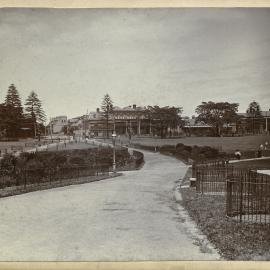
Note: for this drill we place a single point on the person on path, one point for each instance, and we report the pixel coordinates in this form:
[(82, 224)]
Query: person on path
[(261, 147), (237, 154)]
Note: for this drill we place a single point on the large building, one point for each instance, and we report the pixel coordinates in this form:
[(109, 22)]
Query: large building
[(130, 120), (136, 120)]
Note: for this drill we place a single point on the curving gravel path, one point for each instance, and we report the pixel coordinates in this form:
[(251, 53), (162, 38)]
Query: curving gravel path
[(132, 217)]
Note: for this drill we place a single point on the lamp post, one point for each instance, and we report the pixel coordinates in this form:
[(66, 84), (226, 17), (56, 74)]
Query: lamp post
[(113, 140)]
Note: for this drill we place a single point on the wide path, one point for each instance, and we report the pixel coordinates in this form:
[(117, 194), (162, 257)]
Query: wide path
[(131, 217)]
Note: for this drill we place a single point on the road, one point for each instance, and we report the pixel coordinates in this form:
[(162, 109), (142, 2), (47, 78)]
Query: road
[(132, 217)]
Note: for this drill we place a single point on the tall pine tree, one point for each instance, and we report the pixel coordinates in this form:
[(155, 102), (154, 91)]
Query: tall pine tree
[(107, 108), (34, 112), (14, 112)]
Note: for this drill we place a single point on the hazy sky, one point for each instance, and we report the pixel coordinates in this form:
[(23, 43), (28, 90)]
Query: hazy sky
[(179, 57)]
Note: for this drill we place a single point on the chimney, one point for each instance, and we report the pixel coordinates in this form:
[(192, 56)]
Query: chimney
[(97, 110), (134, 106)]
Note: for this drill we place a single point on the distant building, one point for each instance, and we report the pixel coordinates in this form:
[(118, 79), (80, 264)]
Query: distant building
[(250, 124), (128, 120), (247, 125), (132, 120), (194, 128), (57, 124)]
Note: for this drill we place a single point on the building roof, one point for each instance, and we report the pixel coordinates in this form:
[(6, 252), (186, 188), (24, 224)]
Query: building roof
[(263, 113), (129, 108), (191, 122)]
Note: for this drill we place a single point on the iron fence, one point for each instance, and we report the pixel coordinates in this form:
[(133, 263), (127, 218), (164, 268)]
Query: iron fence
[(22, 177), (247, 191), (248, 196), (211, 177)]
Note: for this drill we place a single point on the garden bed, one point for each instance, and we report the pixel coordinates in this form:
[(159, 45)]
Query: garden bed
[(17, 190), (234, 240), (32, 171)]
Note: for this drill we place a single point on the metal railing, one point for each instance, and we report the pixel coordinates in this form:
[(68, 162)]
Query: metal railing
[(248, 196), (22, 177), (211, 177)]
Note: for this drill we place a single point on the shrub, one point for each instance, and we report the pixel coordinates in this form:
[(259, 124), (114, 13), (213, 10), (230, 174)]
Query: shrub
[(185, 154), (179, 147), (195, 152), (188, 148), (167, 149), (33, 164), (77, 160), (201, 157), (209, 152), (8, 161)]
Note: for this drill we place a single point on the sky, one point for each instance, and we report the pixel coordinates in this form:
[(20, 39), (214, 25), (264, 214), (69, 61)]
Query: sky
[(178, 57)]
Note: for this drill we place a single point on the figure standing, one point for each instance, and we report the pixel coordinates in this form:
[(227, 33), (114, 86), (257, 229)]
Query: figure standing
[(237, 154)]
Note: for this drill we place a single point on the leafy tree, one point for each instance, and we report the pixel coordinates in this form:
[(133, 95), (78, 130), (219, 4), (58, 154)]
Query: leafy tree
[(217, 114), (164, 118), (254, 109), (14, 112), (34, 111), (3, 127), (107, 108)]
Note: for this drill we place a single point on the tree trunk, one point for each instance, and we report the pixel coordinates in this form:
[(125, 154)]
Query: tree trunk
[(218, 130)]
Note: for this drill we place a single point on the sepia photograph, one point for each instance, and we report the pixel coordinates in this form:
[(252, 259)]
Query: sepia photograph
[(134, 134)]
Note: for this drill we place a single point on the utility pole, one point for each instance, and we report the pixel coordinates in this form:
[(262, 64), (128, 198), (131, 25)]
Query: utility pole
[(51, 127)]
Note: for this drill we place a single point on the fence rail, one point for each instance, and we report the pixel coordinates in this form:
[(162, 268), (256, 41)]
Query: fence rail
[(248, 197), (211, 178), (247, 191), (18, 177)]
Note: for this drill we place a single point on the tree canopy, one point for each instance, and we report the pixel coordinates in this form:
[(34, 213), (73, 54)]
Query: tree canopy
[(165, 117), (14, 112), (14, 122), (107, 104), (217, 114), (34, 111), (33, 107), (254, 109)]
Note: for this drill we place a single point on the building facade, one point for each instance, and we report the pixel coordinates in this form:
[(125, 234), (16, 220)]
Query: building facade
[(57, 124), (130, 121)]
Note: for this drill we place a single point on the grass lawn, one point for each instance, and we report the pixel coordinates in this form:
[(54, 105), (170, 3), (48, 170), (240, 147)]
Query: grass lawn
[(235, 241), (72, 146), (227, 144)]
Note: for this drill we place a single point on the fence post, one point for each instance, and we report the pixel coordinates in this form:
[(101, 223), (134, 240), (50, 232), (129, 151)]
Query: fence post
[(198, 180), (228, 198), (202, 174), (25, 172), (193, 170), (241, 198)]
